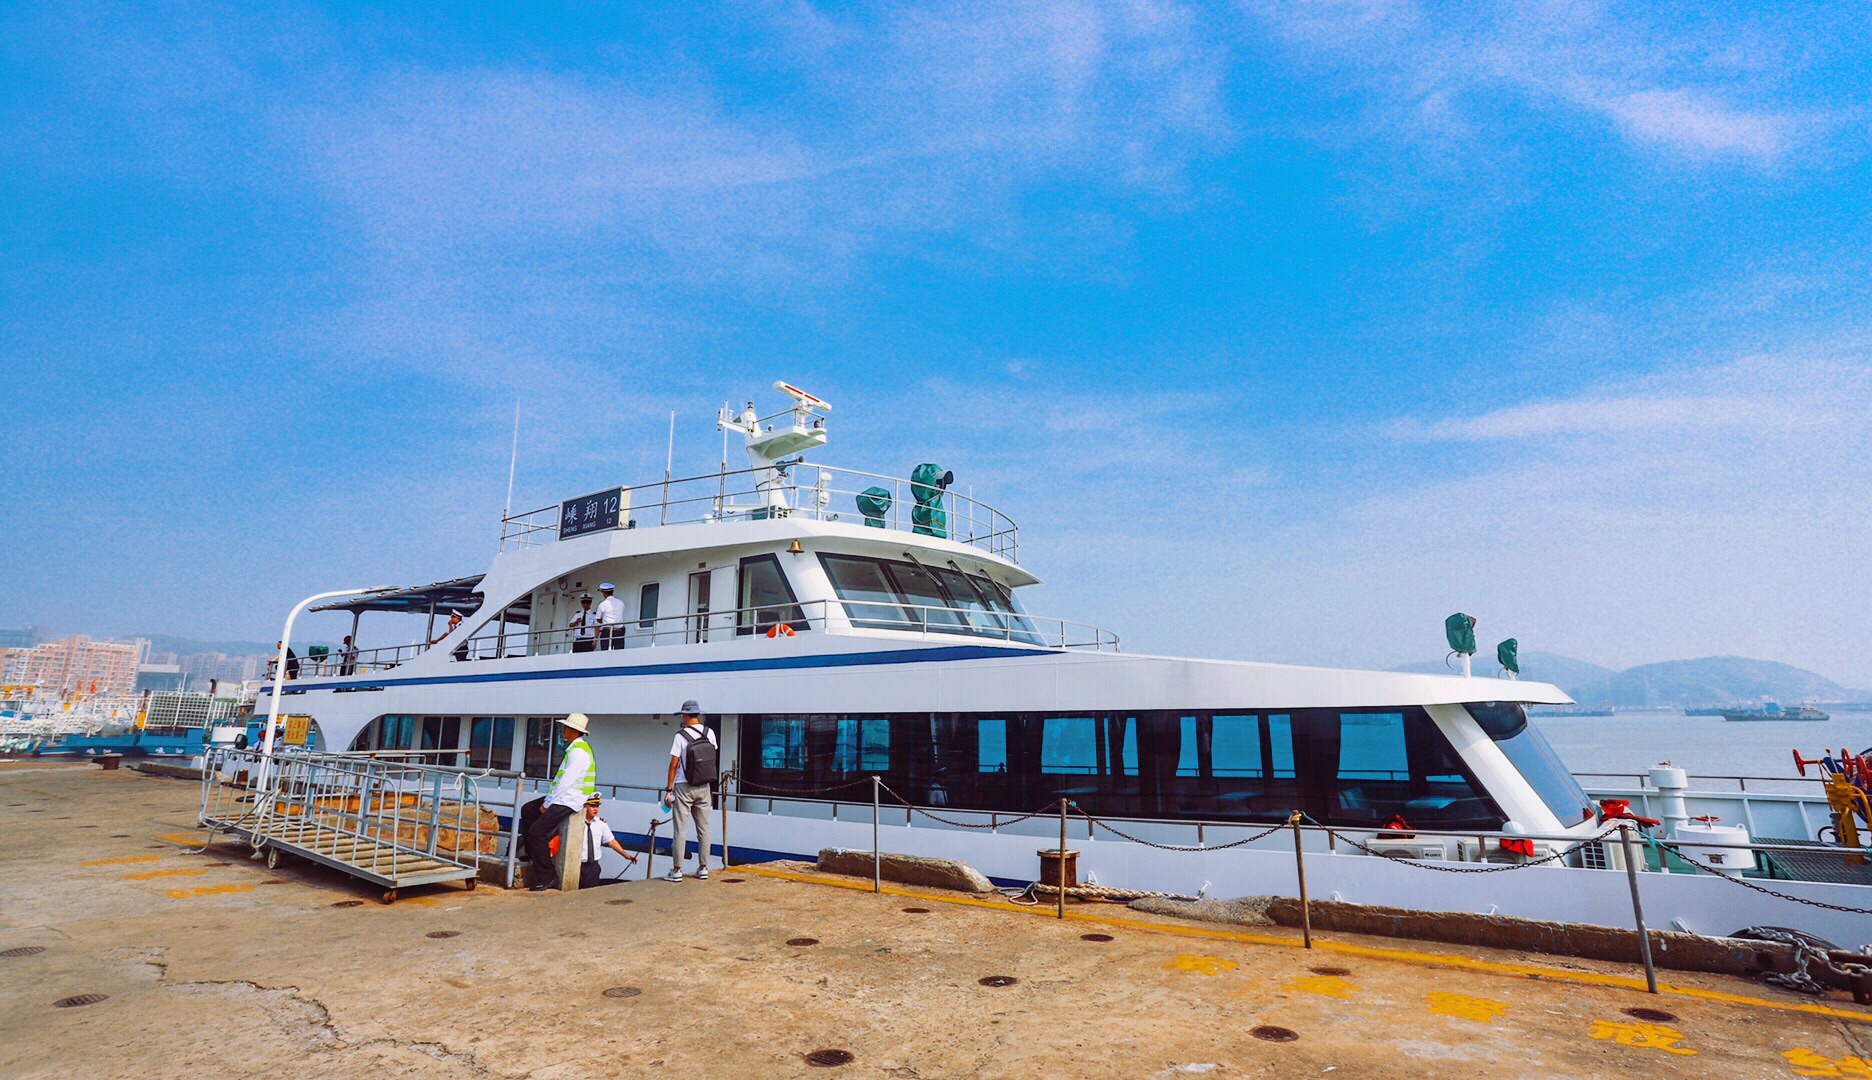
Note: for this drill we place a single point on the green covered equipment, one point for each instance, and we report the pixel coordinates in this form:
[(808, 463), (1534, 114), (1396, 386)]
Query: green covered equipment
[(874, 503), (1508, 653), (1460, 629), (926, 486)]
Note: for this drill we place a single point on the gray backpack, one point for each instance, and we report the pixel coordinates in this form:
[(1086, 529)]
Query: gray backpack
[(700, 757)]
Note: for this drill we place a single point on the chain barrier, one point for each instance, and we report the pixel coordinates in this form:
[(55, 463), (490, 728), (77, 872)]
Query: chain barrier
[(741, 786), (1431, 864), (1108, 827), (996, 823), (1663, 846)]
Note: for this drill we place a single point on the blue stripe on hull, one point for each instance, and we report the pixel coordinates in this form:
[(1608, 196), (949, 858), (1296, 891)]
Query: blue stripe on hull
[(769, 663)]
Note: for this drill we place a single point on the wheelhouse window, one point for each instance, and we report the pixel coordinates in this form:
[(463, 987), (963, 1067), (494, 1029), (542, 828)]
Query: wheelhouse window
[(767, 599), (885, 594), (490, 742), (1529, 752)]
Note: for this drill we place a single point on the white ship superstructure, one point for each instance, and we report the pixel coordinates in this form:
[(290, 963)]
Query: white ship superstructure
[(838, 626)]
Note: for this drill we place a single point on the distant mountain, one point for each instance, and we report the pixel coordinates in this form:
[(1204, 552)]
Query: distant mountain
[(1712, 680), (1722, 680)]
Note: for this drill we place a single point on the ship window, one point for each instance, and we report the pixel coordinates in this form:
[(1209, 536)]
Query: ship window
[(490, 742), (441, 733), (387, 733), (766, 598), (783, 744), (1104, 745), (963, 594), (543, 750), (870, 599), (862, 746), (647, 605), (1528, 751), (1394, 764), (928, 603), (991, 746)]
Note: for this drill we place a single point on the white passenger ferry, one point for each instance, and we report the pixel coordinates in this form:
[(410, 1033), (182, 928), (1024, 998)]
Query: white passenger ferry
[(839, 626)]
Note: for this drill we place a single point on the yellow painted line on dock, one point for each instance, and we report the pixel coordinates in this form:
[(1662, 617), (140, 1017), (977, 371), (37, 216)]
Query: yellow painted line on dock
[(152, 875), (206, 890), (121, 860), (182, 838), (1372, 952)]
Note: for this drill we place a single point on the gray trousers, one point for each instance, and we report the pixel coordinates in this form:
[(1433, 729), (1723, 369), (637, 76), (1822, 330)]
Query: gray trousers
[(690, 803)]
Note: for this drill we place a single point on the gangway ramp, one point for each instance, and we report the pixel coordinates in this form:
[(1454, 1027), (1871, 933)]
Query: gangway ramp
[(394, 822)]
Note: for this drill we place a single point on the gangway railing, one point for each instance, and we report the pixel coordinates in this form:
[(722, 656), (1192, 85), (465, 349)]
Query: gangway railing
[(395, 821)]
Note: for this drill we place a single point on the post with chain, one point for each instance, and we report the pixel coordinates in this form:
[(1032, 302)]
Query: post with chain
[(1059, 876), (1306, 914), (877, 860), (1644, 937)]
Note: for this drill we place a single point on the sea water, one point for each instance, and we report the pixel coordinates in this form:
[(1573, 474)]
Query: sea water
[(1631, 742)]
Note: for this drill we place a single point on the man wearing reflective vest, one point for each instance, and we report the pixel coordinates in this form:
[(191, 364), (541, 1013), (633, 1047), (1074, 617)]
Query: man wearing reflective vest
[(575, 782)]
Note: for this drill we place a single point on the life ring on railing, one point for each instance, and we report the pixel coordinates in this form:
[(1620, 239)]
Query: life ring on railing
[(780, 630)]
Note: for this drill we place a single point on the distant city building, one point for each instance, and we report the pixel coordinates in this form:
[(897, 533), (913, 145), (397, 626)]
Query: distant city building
[(200, 667), (159, 677), (77, 663)]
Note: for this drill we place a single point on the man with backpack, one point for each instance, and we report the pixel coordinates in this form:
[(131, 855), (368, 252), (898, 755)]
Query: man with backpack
[(693, 765)]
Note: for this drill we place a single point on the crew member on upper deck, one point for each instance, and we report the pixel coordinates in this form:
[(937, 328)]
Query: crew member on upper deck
[(610, 619), (584, 625)]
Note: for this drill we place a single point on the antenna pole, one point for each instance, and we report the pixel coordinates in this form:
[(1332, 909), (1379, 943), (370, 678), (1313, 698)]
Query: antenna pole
[(513, 458), (669, 462)]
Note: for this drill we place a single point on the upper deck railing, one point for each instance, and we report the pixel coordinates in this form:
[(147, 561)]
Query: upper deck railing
[(946, 624), (816, 492)]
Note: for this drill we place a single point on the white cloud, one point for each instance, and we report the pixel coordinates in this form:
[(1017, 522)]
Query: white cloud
[(1447, 73)]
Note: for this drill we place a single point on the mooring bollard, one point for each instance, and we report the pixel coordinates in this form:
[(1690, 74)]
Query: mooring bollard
[(650, 849), (1306, 914), (877, 859), (1644, 937), (571, 845)]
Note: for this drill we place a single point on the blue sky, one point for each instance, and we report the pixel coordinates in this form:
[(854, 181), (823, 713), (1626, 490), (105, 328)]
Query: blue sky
[(1284, 329)]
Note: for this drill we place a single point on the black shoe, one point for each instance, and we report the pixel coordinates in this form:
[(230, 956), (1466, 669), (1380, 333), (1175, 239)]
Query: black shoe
[(543, 887)]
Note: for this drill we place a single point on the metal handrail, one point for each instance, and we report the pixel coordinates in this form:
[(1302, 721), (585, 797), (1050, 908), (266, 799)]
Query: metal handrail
[(315, 790), (1015, 628), (968, 521)]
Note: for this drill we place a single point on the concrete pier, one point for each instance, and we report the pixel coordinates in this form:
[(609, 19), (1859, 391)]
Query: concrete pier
[(211, 965)]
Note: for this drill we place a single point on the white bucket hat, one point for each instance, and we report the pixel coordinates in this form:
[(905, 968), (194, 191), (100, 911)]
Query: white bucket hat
[(578, 722)]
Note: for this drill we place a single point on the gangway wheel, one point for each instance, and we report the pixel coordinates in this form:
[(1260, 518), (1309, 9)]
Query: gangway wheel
[(272, 857)]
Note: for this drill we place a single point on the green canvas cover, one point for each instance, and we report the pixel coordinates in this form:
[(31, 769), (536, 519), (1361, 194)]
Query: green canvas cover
[(1508, 653), (874, 503), (1460, 629), (927, 516)]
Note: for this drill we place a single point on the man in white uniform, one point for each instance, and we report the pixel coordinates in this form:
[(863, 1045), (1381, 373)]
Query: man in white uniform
[(598, 836), (693, 765), (584, 624), (610, 619)]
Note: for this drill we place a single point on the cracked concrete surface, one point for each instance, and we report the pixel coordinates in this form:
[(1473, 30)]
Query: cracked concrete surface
[(265, 977)]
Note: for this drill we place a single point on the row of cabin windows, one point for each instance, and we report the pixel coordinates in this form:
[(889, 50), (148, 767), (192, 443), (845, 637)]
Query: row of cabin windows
[(1345, 767), (483, 742)]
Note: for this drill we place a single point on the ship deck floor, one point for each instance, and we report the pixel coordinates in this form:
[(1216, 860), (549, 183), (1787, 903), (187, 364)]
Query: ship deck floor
[(215, 966)]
